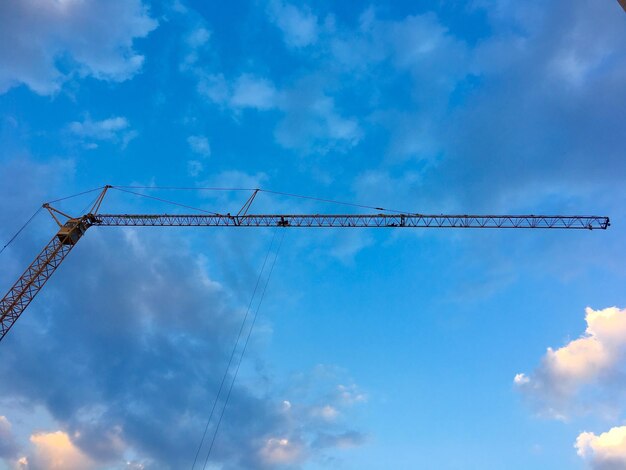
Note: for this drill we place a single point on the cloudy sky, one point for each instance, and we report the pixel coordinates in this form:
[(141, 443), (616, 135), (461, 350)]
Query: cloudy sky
[(371, 349)]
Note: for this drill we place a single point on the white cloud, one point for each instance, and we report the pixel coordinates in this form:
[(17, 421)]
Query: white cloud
[(521, 379), (115, 129), (312, 122), (310, 119), (194, 168), (194, 43), (253, 92), (199, 144), (214, 87), (594, 359), (198, 37), (246, 92), (298, 25), (44, 44), (350, 394), (326, 412), (282, 451), (106, 129), (604, 452), (56, 451)]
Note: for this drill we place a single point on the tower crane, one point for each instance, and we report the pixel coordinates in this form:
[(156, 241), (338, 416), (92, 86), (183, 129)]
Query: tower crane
[(71, 229)]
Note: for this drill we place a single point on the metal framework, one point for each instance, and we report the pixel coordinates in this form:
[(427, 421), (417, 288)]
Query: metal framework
[(33, 279), (30, 283), (357, 221)]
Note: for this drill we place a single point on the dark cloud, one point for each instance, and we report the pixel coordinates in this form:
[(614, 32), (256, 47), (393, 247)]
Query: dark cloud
[(8, 445), (126, 346), (545, 116)]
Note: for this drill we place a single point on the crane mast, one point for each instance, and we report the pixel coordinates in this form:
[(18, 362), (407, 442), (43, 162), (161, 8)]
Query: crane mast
[(73, 228)]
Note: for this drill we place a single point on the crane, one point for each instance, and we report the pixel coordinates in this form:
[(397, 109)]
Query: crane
[(71, 230)]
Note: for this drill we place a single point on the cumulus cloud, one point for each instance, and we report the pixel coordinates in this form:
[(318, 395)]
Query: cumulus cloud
[(604, 452), (45, 44), (56, 451), (593, 360), (298, 24), (114, 129)]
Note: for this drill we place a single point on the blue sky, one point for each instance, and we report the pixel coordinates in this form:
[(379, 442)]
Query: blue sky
[(372, 349)]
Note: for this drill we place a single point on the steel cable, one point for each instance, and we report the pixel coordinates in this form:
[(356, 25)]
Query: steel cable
[(268, 191), (20, 230), (232, 354), (243, 351), (164, 200)]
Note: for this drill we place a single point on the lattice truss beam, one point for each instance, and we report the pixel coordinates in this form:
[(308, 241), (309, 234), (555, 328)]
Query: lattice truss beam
[(30, 283), (363, 221)]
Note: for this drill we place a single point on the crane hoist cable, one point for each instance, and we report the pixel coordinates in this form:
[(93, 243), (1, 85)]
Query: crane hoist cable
[(72, 229), (243, 351), (235, 346)]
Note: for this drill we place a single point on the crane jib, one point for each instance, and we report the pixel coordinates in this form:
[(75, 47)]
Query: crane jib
[(70, 232), (342, 220)]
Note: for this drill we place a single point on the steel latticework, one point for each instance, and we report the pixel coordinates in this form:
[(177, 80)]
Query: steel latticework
[(30, 283), (362, 221)]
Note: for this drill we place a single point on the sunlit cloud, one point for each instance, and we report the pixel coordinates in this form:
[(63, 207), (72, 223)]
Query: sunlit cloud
[(606, 451), (56, 451), (593, 360), (281, 451)]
